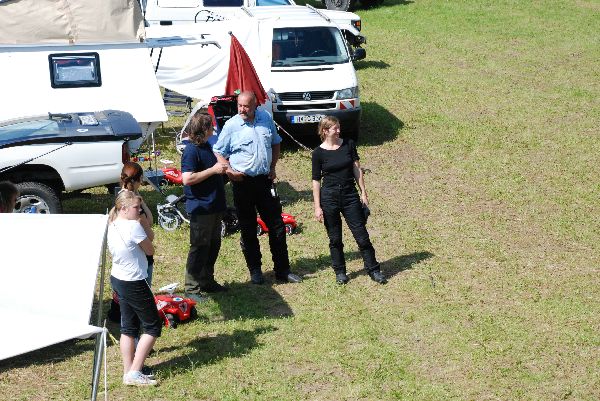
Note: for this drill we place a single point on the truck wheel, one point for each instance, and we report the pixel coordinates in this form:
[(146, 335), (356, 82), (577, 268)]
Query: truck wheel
[(36, 197), (341, 5)]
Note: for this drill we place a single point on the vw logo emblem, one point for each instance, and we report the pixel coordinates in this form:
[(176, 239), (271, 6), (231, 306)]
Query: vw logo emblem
[(306, 96)]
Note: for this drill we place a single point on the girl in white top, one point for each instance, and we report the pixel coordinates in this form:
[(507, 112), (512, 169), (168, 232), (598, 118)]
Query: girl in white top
[(129, 244)]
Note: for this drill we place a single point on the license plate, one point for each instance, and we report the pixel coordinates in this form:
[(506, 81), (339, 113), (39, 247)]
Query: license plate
[(306, 119)]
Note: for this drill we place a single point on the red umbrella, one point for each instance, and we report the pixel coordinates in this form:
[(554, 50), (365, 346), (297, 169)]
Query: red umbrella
[(242, 75)]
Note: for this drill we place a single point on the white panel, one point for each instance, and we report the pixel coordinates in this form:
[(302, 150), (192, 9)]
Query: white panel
[(48, 270)]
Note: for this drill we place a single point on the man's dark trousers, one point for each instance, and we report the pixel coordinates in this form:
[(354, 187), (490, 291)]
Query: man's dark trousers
[(249, 196)]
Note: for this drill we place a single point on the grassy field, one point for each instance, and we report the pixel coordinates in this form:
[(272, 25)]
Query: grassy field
[(480, 128)]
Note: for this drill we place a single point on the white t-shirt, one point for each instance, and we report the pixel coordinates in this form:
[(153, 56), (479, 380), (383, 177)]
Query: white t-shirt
[(129, 261)]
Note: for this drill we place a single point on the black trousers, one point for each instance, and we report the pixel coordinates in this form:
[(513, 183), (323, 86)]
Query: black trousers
[(137, 306), (249, 196), (343, 200), (205, 243)]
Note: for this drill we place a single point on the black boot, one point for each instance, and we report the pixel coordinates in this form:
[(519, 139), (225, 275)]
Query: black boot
[(377, 276), (340, 276)]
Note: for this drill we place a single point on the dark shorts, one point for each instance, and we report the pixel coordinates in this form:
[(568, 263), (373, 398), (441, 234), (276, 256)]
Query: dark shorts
[(137, 308)]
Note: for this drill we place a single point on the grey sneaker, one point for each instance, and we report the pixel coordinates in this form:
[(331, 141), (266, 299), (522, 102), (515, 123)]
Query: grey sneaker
[(137, 378), (195, 297)]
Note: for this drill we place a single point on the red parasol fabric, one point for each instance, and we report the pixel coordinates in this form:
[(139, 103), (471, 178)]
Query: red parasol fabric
[(242, 75)]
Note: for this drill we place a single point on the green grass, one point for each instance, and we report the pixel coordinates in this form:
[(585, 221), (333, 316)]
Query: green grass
[(480, 128)]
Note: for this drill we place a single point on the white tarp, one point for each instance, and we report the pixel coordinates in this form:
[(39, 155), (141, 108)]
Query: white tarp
[(201, 71), (67, 22), (48, 270)]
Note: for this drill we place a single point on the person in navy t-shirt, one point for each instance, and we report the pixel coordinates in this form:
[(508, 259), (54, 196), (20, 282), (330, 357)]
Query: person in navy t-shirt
[(205, 203)]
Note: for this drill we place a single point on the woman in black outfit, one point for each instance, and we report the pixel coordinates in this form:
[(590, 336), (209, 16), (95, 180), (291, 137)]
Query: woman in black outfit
[(336, 162)]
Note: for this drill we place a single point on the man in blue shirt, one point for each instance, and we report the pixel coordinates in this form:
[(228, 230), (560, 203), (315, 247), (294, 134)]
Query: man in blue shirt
[(205, 202), (251, 143)]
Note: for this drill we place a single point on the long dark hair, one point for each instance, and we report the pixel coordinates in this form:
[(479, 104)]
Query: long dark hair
[(7, 191), (199, 127), (131, 172)]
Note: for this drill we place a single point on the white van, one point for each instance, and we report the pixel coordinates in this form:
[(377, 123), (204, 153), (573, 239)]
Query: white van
[(300, 56)]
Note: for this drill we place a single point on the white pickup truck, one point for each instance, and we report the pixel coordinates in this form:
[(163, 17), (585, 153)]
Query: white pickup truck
[(50, 154)]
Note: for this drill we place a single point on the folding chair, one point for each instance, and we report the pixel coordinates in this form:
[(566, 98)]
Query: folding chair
[(176, 105)]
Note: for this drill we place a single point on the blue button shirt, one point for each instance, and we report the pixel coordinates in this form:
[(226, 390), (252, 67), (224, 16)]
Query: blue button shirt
[(248, 145)]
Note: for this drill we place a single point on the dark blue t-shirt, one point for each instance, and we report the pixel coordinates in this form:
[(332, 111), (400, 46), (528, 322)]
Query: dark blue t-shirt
[(208, 196)]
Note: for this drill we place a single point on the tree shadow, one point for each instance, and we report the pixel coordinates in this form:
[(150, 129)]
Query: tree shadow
[(377, 64), (208, 350)]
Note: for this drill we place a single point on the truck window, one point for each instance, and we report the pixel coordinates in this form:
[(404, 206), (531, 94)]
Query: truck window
[(28, 130), (223, 3), (307, 46), (272, 3)]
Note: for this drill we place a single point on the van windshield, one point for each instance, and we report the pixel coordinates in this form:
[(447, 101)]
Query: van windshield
[(307, 46)]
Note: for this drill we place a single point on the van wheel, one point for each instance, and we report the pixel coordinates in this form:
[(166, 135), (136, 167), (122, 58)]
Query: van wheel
[(341, 5), (36, 197)]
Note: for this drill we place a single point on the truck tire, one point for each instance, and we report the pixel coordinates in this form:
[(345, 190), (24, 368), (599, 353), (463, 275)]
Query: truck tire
[(341, 5), (35, 197)]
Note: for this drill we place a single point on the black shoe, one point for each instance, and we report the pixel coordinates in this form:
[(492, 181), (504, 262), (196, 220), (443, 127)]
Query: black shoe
[(341, 278), (289, 278), (256, 277), (214, 287), (378, 277), (147, 371)]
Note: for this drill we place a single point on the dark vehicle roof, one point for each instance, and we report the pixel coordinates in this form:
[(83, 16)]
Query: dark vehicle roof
[(104, 125)]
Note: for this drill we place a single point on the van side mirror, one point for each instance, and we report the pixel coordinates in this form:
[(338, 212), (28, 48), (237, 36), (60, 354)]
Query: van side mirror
[(359, 53)]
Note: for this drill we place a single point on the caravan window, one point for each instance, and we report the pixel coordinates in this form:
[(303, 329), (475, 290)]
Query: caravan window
[(308, 46), (70, 70)]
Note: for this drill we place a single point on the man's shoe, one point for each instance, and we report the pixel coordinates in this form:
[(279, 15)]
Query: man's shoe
[(289, 278), (378, 277), (214, 287), (195, 297), (341, 278), (256, 277)]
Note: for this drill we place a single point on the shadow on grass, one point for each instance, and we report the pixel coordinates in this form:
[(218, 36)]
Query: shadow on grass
[(380, 65), (398, 264), (390, 267), (321, 262), (207, 350), (49, 355), (251, 301), (378, 125)]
